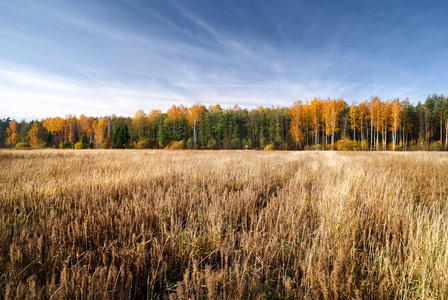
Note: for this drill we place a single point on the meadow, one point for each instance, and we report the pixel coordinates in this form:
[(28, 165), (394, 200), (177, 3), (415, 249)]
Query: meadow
[(142, 224)]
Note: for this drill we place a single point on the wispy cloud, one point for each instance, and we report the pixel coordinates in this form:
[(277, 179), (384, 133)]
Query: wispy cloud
[(116, 58), (34, 81), (25, 93), (31, 94)]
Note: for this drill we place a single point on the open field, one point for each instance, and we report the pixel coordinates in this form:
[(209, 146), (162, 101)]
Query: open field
[(223, 224)]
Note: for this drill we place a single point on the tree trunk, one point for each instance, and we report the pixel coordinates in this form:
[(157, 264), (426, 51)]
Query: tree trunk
[(441, 131), (446, 134), (362, 146), (376, 141), (332, 140), (194, 133), (404, 130)]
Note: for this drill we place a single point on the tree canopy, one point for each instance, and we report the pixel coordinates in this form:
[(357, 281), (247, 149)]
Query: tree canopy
[(317, 124)]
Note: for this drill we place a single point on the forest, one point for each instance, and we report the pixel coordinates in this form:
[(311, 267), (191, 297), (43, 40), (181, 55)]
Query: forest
[(318, 124)]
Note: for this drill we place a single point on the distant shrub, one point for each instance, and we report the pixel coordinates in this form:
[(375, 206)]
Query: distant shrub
[(262, 143), (347, 145), (247, 144), (269, 147), (176, 145), (190, 143), (398, 146), (235, 144), (23, 145), (80, 145), (212, 143), (435, 146), (146, 144), (105, 146), (226, 141), (421, 144), (65, 145), (364, 145), (314, 147)]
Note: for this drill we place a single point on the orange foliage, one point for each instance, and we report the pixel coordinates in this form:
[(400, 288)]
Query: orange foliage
[(194, 114), (297, 117), (217, 107), (12, 128), (153, 114), (175, 112)]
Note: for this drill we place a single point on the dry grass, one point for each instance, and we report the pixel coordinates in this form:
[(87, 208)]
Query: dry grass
[(223, 225)]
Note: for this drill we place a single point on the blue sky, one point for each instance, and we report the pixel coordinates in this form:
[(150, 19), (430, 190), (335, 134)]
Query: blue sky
[(104, 57)]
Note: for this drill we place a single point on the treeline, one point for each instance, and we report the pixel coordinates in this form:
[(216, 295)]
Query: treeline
[(311, 125)]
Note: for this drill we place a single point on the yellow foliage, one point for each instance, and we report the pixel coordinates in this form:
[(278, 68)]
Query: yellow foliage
[(178, 145)]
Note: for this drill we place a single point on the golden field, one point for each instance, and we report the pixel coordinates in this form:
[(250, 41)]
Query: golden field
[(223, 224)]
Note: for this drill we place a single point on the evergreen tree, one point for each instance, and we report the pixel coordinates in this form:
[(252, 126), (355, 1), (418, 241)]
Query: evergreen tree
[(122, 136), (4, 124)]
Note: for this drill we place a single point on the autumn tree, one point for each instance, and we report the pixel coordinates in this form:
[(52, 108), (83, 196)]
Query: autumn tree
[(12, 140), (86, 125), (56, 127), (363, 114), (385, 113), (216, 108), (354, 118), (396, 120), (140, 126), (71, 129), (375, 110), (36, 136), (100, 127), (13, 136), (315, 112), (296, 114), (194, 115), (332, 110), (307, 122), (338, 108)]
